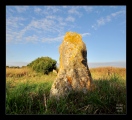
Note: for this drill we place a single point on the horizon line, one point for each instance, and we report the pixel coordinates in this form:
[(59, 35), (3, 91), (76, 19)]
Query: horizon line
[(90, 64)]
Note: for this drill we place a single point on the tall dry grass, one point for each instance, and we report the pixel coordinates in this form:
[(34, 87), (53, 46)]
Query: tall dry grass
[(104, 72), (23, 75), (19, 72), (16, 76)]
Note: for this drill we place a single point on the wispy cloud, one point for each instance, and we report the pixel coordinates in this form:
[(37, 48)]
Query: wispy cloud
[(49, 24), (9, 37), (74, 10), (13, 21), (21, 9), (33, 39), (88, 9), (28, 29), (54, 9), (85, 34), (51, 17), (113, 6), (65, 6), (101, 21), (106, 19), (13, 32), (37, 10), (61, 21), (11, 10), (50, 10), (55, 39), (70, 18), (118, 13), (60, 38), (44, 24)]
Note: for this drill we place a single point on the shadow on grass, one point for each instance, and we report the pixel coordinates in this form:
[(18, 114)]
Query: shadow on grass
[(108, 97)]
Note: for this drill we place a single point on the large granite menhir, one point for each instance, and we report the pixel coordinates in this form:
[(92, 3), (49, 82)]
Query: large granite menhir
[(74, 74)]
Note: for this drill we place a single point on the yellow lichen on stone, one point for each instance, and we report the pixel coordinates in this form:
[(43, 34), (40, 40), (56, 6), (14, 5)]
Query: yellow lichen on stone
[(74, 40), (73, 37), (69, 79), (77, 51)]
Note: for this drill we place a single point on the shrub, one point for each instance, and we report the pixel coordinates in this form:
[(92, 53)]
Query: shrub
[(43, 65)]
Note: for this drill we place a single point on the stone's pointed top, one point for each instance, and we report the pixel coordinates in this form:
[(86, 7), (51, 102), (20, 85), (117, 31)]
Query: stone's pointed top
[(73, 37)]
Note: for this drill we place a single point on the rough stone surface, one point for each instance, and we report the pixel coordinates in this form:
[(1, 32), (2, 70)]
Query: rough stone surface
[(73, 74)]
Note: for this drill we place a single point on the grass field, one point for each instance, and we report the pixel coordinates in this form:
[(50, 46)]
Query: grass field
[(27, 92)]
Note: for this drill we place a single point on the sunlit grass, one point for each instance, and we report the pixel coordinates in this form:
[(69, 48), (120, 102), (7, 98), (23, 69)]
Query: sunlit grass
[(30, 95)]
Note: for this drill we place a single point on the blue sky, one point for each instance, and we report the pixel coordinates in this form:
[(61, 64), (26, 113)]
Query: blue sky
[(36, 31)]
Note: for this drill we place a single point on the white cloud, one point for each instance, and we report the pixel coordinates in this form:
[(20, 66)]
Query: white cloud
[(88, 8), (14, 22), (63, 23), (113, 6), (11, 10), (9, 37), (55, 10), (57, 18), (37, 10), (40, 26), (74, 10), (54, 25), (118, 13), (33, 38), (21, 24), (101, 21), (17, 31), (12, 35), (65, 6), (106, 19), (70, 18), (85, 34), (47, 11), (21, 9), (94, 27), (52, 9), (12, 29), (59, 38), (51, 17)]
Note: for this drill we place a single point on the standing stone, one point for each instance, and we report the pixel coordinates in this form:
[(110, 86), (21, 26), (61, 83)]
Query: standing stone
[(73, 74)]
